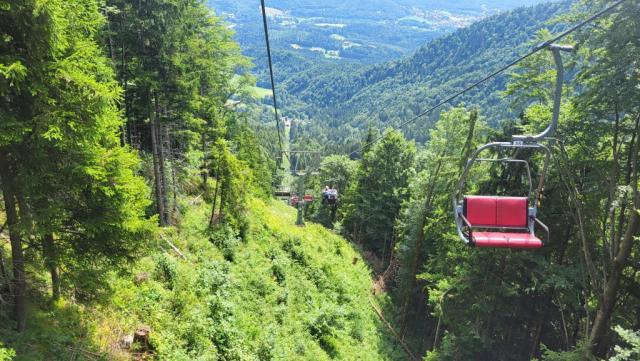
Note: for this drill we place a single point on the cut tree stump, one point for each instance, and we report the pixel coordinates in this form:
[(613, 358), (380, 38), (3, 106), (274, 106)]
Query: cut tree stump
[(141, 338)]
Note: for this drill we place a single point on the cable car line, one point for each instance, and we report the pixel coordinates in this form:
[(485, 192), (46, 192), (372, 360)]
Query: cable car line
[(538, 48), (273, 84)]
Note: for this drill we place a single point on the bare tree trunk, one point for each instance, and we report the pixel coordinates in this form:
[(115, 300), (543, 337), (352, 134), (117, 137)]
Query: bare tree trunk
[(19, 280), (162, 162), (160, 204), (215, 199), (205, 165), (174, 183), (50, 260)]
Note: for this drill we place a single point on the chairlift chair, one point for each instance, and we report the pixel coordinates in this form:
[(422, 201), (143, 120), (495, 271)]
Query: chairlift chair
[(330, 197), (505, 221)]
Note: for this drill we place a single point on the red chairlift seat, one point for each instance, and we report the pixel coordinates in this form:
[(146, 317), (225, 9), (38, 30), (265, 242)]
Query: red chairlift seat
[(509, 222), (506, 220)]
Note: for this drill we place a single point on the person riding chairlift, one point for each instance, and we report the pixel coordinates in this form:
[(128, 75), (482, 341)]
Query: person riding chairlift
[(325, 194), (329, 195)]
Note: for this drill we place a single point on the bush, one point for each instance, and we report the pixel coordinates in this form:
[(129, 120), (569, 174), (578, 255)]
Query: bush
[(166, 270), (278, 269), (6, 354), (226, 239), (212, 278), (632, 351), (294, 249)]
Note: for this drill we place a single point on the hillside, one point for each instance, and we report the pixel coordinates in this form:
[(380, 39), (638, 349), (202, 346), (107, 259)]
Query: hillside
[(388, 93), (362, 31), (289, 293)]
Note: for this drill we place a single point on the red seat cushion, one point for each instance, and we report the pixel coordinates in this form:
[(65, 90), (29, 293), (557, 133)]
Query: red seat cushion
[(505, 240), (481, 210), (496, 212), (512, 212)]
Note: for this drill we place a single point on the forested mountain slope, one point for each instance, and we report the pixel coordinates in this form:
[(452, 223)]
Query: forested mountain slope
[(365, 32), (398, 90)]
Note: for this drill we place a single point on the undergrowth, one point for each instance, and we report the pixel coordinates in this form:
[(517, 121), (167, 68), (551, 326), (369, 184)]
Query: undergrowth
[(281, 293)]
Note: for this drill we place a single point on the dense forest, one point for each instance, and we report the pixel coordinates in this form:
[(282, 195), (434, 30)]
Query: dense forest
[(138, 161)]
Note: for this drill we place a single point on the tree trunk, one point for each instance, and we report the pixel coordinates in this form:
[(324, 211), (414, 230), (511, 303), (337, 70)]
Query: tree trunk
[(5, 285), (162, 161), (19, 281), (215, 200), (51, 262), (610, 291), (205, 165), (223, 195), (627, 180), (601, 323), (160, 204), (174, 183), (426, 209)]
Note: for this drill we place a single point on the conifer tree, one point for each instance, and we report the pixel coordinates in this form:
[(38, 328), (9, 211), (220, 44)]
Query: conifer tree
[(66, 181), (382, 186)]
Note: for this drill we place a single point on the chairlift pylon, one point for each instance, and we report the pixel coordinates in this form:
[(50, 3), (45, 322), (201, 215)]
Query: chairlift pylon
[(507, 221)]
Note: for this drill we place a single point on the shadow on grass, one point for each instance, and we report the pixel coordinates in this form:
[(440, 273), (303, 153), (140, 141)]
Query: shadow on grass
[(55, 331), (420, 328)]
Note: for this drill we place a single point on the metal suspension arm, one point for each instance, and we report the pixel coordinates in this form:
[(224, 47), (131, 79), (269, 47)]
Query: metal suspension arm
[(557, 97)]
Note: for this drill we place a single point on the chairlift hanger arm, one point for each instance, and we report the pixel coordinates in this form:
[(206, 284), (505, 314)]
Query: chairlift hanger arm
[(556, 50)]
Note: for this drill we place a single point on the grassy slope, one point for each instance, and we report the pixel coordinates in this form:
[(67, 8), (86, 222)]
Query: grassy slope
[(330, 289), (289, 293)]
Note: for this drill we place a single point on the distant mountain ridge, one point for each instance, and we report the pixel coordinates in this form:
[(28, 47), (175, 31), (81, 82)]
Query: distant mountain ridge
[(390, 92)]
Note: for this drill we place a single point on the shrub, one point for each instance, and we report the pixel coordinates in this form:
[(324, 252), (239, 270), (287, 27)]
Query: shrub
[(294, 249), (632, 351), (6, 354), (166, 270), (226, 239)]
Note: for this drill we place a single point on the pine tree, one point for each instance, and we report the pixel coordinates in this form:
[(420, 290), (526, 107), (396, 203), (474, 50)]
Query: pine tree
[(66, 180), (382, 186)]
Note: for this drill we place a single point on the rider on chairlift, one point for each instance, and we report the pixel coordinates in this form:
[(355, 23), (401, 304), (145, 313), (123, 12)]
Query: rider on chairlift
[(325, 194), (329, 195)]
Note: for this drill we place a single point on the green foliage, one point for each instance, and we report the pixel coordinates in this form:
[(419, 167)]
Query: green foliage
[(226, 239), (287, 294), (338, 172), (580, 353), (631, 349), (6, 354), (281, 297), (80, 199)]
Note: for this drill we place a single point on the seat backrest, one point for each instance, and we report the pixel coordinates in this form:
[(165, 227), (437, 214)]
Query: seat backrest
[(496, 212)]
